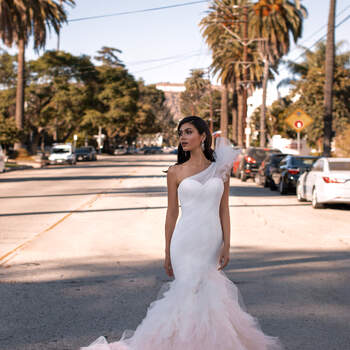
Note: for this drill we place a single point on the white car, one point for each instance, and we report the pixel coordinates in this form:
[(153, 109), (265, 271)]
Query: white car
[(328, 181), (2, 160), (62, 153)]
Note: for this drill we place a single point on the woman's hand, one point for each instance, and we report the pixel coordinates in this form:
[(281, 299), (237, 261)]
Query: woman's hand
[(167, 266), (224, 257)]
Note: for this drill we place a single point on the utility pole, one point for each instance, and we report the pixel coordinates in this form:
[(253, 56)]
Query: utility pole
[(328, 87)]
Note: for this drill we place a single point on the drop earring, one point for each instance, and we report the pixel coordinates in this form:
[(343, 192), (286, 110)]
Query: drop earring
[(203, 146)]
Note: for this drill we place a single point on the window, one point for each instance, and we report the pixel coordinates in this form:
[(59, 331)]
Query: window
[(318, 166), (339, 166)]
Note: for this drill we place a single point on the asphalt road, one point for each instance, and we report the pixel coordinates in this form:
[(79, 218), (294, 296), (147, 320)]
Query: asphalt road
[(81, 252)]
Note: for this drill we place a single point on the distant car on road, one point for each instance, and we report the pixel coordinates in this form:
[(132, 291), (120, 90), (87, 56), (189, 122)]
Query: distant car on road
[(285, 177), (2, 160), (62, 153), (328, 181), (151, 150), (85, 153), (251, 160), (268, 165)]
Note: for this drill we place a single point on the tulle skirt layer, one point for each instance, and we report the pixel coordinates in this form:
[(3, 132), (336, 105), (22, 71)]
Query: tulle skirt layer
[(203, 312)]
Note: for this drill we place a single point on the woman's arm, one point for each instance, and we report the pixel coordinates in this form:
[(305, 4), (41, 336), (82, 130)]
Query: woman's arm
[(225, 225), (172, 214)]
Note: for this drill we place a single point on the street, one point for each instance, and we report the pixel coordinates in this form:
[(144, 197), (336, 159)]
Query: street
[(81, 255)]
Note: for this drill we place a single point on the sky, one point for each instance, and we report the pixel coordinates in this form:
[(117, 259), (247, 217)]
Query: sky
[(164, 45)]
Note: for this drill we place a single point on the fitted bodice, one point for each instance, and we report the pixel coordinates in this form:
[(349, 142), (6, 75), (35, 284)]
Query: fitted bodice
[(197, 197)]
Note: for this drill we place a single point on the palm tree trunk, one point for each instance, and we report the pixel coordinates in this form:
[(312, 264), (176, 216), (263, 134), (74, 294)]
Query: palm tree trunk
[(328, 87), (20, 93), (234, 114), (224, 110), (240, 118), (263, 105)]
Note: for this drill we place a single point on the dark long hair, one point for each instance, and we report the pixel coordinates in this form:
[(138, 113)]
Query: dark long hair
[(202, 126)]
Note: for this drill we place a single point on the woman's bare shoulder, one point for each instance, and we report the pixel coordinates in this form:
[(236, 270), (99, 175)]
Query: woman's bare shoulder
[(173, 169)]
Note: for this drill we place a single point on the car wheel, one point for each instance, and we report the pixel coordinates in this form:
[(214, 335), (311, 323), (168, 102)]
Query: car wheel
[(300, 198), (282, 187), (315, 203), (243, 176), (273, 186)]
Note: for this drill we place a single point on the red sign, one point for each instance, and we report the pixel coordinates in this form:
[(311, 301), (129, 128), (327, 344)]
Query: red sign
[(298, 124)]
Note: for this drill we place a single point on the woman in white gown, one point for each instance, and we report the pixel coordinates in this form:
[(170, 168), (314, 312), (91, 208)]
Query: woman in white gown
[(201, 309)]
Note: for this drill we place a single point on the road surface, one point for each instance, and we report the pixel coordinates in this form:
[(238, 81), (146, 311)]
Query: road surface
[(81, 255)]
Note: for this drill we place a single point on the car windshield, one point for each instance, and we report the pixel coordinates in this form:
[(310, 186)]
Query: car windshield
[(276, 159), (339, 166), (260, 154), (303, 162), (60, 150), (82, 150)]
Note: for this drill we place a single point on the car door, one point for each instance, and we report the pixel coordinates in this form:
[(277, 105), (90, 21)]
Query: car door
[(312, 177), (276, 174)]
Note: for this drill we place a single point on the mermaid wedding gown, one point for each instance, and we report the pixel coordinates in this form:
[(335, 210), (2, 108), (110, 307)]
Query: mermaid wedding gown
[(201, 309)]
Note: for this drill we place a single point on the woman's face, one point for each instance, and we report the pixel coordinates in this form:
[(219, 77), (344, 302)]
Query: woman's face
[(189, 137)]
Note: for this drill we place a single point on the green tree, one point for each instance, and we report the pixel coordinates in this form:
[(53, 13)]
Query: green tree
[(20, 20), (224, 31), (116, 99), (308, 85), (275, 21), (196, 88), (62, 86)]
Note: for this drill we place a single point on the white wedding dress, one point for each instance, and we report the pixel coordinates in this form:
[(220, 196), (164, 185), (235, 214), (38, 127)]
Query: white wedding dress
[(201, 309)]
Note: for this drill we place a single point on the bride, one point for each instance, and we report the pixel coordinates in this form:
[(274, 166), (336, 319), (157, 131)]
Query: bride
[(201, 309)]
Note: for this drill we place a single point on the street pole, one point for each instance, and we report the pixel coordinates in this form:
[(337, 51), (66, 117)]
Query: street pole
[(298, 140), (328, 87), (245, 69)]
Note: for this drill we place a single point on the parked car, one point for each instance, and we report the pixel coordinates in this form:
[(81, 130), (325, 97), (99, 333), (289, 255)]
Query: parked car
[(237, 161), (268, 165), (62, 153), (251, 160), (285, 177), (328, 181), (2, 160), (152, 150), (120, 150), (86, 153)]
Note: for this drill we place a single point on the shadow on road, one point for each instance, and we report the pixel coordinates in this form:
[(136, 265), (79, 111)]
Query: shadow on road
[(300, 296)]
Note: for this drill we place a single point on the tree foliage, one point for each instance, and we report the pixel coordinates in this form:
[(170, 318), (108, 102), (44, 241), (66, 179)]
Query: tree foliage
[(69, 95)]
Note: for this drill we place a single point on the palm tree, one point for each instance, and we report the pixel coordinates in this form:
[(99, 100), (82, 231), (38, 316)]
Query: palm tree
[(328, 88), (272, 21), (20, 20), (223, 31)]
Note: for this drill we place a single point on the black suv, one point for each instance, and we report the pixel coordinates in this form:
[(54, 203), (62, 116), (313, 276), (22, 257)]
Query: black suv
[(86, 153), (285, 177), (268, 165), (251, 160)]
